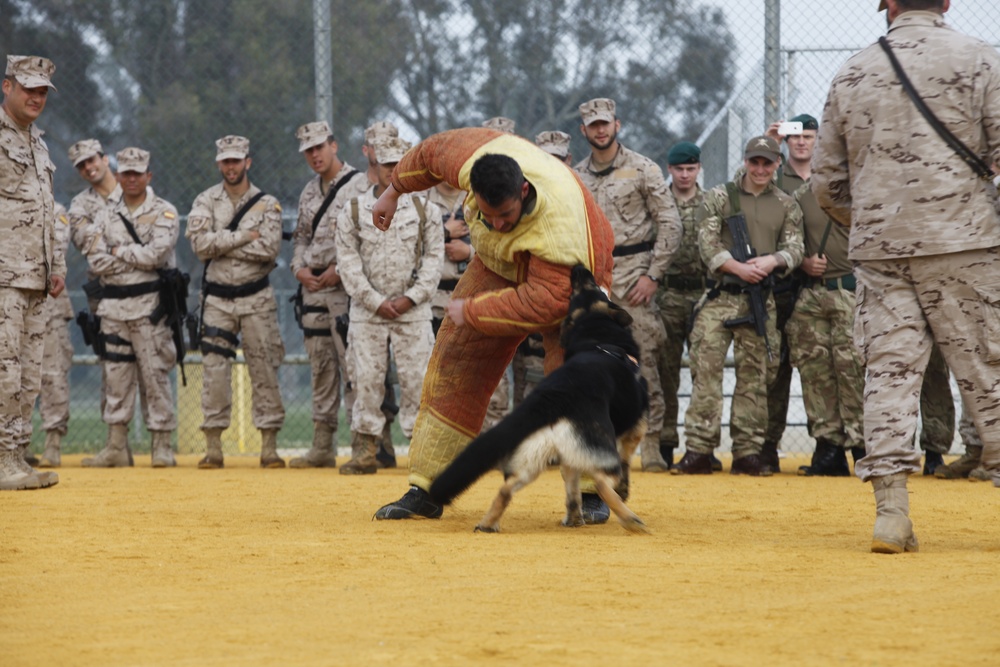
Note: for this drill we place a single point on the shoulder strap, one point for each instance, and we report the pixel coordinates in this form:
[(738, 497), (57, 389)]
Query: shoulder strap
[(974, 161), (734, 198), (130, 229), (235, 222), (354, 211), (325, 206)]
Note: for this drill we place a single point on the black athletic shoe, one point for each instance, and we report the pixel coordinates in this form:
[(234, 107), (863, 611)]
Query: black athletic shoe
[(594, 509), (931, 462), (415, 504)]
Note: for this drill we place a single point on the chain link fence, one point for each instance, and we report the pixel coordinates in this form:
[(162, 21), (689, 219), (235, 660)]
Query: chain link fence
[(171, 76)]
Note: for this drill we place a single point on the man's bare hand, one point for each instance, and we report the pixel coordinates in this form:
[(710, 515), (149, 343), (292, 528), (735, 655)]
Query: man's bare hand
[(643, 291), (401, 304), (385, 208), (456, 311), (387, 310), (814, 266), (308, 280), (746, 272), (330, 277), (457, 251), (56, 285), (456, 228)]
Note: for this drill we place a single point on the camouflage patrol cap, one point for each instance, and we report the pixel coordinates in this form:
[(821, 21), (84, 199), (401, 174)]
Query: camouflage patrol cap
[(764, 147), (31, 71), (232, 147), (601, 108), (133, 159), (390, 150), (808, 122), (313, 134), (554, 142), (380, 129), (84, 150), (500, 123), (684, 152)]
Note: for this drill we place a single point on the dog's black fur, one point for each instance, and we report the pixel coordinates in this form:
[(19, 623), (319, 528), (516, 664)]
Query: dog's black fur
[(590, 413)]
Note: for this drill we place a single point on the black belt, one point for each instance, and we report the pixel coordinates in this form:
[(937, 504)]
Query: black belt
[(235, 291), (689, 282), (847, 282), (634, 249), (448, 285), (128, 291)]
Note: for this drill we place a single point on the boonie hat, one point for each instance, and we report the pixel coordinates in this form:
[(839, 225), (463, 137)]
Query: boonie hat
[(84, 150), (554, 142), (313, 134), (500, 123), (133, 159), (31, 71), (763, 146), (601, 108), (233, 147)]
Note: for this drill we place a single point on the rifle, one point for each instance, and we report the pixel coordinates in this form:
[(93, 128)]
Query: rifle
[(173, 307), (742, 251), (90, 326)]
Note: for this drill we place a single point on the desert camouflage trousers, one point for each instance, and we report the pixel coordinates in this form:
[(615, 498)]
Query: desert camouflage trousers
[(22, 332), (906, 305), (263, 351), (155, 355), (327, 357), (368, 346), (676, 310), (710, 340), (821, 344), (57, 360)]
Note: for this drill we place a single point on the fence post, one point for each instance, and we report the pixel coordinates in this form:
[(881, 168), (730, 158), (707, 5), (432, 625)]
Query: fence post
[(772, 61)]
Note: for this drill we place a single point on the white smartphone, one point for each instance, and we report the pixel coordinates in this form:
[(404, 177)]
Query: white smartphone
[(789, 128)]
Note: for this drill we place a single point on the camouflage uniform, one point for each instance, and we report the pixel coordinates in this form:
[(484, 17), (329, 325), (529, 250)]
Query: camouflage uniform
[(679, 292), (820, 335), (53, 402), (375, 265), (774, 222), (924, 233), (28, 236), (237, 260), (635, 197)]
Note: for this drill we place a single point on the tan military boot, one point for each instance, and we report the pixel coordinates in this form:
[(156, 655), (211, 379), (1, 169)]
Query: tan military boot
[(52, 456), (116, 453), (14, 475), (961, 467), (213, 450), (322, 454), (46, 478), (652, 459), (269, 449), (893, 532), (163, 453), (363, 457)]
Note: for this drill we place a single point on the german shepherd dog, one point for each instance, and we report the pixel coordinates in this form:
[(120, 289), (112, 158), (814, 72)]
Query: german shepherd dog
[(590, 413)]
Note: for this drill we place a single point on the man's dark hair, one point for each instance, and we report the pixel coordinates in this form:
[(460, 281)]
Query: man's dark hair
[(921, 4), (496, 178)]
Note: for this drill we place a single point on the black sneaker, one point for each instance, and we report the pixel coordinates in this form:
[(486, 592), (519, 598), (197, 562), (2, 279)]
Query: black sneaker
[(415, 504), (594, 509)]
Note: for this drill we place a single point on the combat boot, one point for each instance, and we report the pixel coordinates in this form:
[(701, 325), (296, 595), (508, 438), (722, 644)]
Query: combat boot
[(385, 457), (29, 456), (269, 449), (652, 460), (893, 532), (116, 453), (13, 476), (322, 454), (750, 465), (769, 456), (44, 477), (213, 450), (52, 456), (829, 460), (960, 468), (693, 463), (667, 452), (163, 453), (362, 457), (980, 475), (932, 461)]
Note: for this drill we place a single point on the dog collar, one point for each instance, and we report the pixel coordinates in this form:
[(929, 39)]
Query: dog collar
[(620, 354)]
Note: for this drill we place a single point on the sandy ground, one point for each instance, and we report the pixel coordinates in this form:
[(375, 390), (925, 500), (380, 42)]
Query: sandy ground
[(249, 567)]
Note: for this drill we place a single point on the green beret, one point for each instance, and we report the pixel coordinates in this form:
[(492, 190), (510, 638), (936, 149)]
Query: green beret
[(684, 153), (808, 122)]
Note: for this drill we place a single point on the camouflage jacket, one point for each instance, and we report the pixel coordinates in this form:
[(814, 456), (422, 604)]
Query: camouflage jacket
[(774, 222), (84, 208), (687, 259), (27, 209), (156, 224), (880, 168), (405, 260), (814, 225), (635, 197)]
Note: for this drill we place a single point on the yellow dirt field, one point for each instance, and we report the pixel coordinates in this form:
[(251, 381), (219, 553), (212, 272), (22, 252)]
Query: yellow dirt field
[(249, 567)]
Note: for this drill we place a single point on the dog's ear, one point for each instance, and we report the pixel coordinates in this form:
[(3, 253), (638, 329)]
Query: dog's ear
[(619, 314)]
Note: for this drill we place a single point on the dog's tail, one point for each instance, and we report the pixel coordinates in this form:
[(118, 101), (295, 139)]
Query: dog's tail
[(478, 458)]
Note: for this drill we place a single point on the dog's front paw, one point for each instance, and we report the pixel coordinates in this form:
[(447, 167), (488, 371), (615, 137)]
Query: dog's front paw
[(635, 526), (574, 522), (487, 529)]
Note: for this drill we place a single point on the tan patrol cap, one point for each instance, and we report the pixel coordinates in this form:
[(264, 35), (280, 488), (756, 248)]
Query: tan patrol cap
[(500, 123), (232, 147), (763, 146), (31, 71), (554, 142), (133, 159), (313, 134), (597, 109), (84, 150), (390, 150), (380, 129)]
